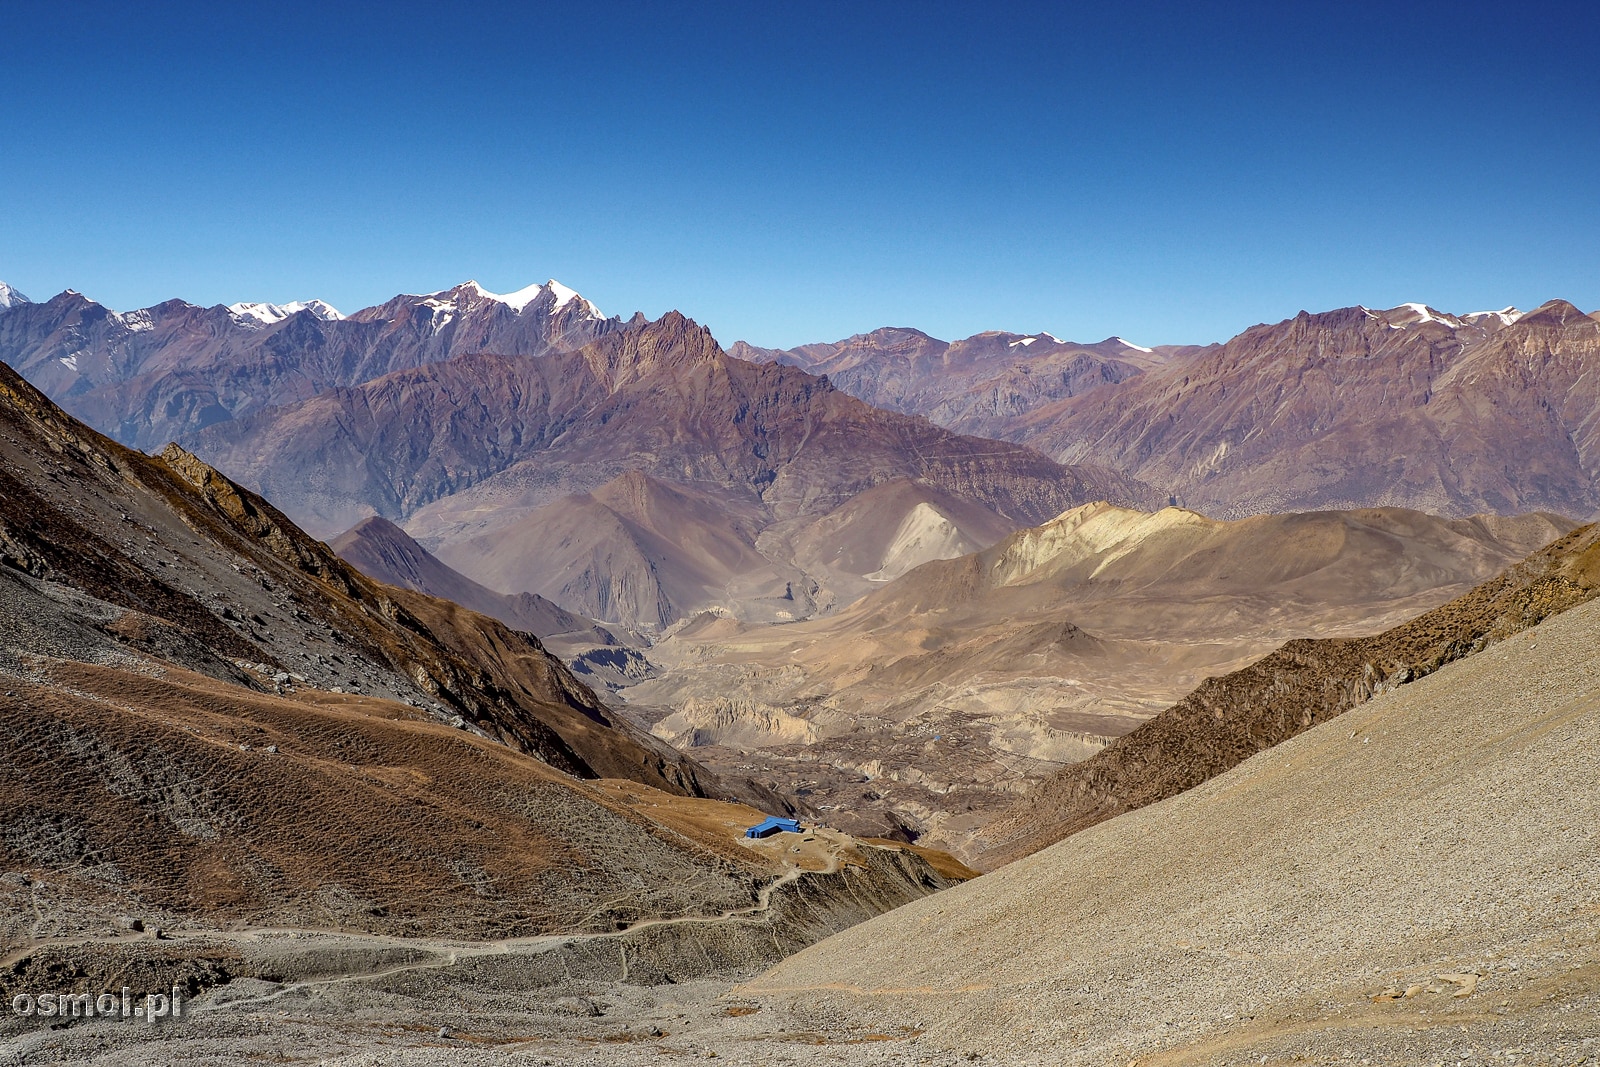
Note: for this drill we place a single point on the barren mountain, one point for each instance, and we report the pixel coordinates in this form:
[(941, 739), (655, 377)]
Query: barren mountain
[(161, 373), (1228, 719), (110, 556), (221, 746), (1357, 408), (1412, 883), (381, 550), (930, 701), (745, 456), (979, 385)]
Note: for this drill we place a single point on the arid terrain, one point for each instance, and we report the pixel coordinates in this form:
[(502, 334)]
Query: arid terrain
[(230, 756), (926, 707), (1413, 882), (359, 803)]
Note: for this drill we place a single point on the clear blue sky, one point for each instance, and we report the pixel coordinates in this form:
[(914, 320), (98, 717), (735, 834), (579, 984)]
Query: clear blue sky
[(797, 172)]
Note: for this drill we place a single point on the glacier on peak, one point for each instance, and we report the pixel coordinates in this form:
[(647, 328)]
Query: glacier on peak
[(9, 297), (267, 314), (519, 300)]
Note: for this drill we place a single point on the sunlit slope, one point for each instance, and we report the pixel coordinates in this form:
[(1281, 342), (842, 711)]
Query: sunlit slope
[(1441, 841)]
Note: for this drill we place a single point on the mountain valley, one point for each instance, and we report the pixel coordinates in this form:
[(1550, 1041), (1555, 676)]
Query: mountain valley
[(598, 594)]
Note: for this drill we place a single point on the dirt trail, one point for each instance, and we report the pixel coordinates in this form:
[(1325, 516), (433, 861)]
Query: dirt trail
[(441, 953)]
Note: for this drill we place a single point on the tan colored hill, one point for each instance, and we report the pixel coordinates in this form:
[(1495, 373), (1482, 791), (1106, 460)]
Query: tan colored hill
[(927, 704), (1228, 719), (1412, 883)]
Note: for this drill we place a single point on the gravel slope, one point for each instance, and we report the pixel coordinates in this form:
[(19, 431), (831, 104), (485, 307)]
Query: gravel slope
[(1451, 827)]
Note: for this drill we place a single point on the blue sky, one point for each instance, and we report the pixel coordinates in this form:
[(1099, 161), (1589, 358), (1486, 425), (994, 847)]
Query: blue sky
[(788, 173)]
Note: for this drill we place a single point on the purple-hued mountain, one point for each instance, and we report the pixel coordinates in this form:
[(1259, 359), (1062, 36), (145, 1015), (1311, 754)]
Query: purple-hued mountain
[(165, 372)]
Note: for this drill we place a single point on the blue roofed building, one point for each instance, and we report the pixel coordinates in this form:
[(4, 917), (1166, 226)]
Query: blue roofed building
[(773, 825)]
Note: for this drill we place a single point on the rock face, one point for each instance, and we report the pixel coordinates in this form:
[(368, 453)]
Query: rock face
[(676, 432), (979, 385), (160, 374), (1412, 876), (937, 698), (1228, 719), (1357, 408)]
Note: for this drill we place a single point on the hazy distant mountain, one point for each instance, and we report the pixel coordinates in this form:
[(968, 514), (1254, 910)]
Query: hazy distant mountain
[(732, 460), (380, 549), (156, 375), (1411, 407), (979, 385)]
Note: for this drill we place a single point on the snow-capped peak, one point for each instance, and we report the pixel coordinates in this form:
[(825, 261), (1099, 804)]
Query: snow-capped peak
[(1506, 315), (1125, 343), (267, 314), (563, 295), (1424, 313), (519, 300), (9, 297), (1042, 335)]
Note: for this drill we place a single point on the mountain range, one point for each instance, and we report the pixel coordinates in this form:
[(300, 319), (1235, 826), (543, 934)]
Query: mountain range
[(224, 746), (161, 373), (1407, 407), (656, 475)]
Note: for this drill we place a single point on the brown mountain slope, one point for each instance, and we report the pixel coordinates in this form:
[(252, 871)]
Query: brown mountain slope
[(979, 385), (381, 550), (156, 375), (945, 691), (1414, 883), (212, 724), (460, 448), (636, 550), (1228, 719), (1357, 408), (105, 553)]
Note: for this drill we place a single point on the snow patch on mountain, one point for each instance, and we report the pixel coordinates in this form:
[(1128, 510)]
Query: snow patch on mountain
[(1506, 315), (1125, 343), (9, 297), (267, 314), (1424, 313), (519, 300)]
